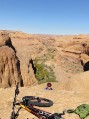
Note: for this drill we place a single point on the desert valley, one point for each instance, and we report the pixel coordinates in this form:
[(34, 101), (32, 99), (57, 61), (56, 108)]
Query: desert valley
[(66, 62)]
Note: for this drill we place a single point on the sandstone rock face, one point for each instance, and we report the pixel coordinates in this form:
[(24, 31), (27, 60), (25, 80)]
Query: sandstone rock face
[(6, 41), (30, 80), (78, 83), (9, 71), (66, 54), (84, 58), (19, 35)]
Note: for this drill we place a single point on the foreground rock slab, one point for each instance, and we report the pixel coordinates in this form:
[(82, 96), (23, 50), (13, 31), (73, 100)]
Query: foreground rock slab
[(62, 99)]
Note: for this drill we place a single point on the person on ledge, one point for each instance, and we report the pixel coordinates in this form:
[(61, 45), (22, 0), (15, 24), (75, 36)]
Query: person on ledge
[(49, 86)]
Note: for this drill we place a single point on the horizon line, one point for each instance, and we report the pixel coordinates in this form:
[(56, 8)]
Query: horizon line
[(50, 34)]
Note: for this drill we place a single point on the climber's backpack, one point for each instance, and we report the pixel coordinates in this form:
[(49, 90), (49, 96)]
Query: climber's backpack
[(82, 111)]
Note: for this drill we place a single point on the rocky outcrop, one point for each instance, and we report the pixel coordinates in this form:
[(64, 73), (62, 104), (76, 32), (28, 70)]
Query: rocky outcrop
[(84, 58), (9, 63), (9, 69), (78, 83), (5, 40), (30, 80), (10, 72), (21, 35)]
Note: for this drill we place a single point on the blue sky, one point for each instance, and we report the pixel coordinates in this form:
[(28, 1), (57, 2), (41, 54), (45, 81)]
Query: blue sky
[(45, 16)]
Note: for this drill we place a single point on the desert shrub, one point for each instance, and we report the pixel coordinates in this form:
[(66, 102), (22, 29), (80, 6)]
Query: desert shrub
[(44, 73)]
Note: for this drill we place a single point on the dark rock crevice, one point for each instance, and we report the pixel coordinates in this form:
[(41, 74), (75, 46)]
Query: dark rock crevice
[(86, 66), (9, 43), (34, 68)]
